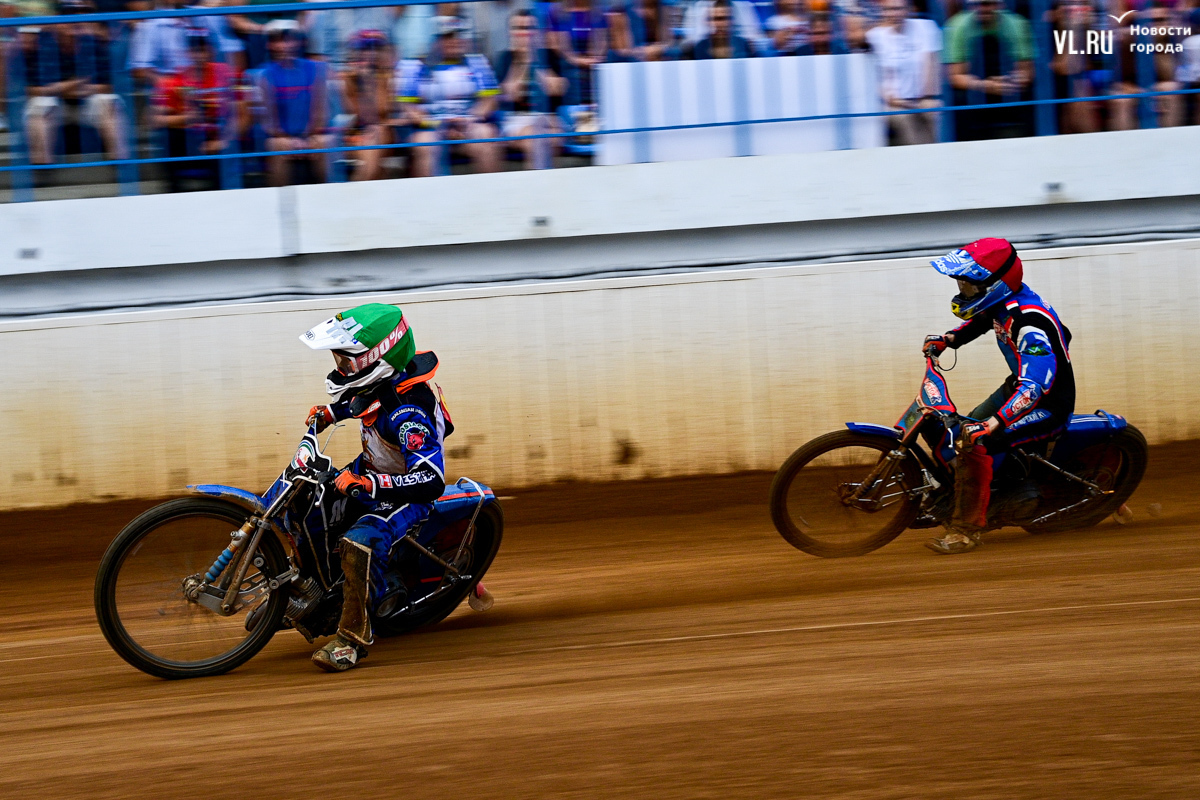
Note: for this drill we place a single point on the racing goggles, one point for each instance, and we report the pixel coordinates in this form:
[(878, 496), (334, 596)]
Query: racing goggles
[(346, 363)]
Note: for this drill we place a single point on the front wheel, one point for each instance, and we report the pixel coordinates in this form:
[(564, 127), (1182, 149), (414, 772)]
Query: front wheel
[(820, 505), (140, 600)]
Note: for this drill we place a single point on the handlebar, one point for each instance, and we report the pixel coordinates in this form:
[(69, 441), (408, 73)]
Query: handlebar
[(326, 477)]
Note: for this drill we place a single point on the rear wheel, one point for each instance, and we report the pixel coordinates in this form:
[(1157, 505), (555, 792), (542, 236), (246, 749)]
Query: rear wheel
[(474, 560), (140, 601), (1116, 465), (812, 503)]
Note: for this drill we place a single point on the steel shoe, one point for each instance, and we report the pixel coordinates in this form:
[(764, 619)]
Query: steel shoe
[(954, 543), (339, 655), (480, 599)]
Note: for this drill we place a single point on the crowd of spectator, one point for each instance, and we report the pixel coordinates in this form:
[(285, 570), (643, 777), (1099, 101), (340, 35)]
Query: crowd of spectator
[(291, 84)]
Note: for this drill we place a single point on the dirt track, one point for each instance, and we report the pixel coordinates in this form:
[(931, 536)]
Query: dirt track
[(669, 654)]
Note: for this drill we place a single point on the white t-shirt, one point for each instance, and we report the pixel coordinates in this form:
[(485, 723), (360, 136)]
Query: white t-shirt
[(1188, 70), (904, 56)]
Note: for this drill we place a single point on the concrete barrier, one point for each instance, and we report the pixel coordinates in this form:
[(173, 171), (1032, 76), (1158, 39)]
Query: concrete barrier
[(878, 184), (607, 379)]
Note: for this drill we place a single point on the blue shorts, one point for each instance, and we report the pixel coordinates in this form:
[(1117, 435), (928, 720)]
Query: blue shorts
[(378, 530)]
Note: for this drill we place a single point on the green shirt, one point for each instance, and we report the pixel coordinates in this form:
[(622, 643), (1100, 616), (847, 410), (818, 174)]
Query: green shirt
[(31, 8), (963, 33)]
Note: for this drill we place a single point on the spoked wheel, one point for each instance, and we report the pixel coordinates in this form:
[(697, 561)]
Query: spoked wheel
[(1117, 466), (140, 599), (817, 505)]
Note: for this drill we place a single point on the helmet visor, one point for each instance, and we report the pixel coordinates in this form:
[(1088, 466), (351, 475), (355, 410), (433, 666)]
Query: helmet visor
[(960, 264)]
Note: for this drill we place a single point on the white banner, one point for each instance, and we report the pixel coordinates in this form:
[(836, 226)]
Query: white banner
[(665, 93)]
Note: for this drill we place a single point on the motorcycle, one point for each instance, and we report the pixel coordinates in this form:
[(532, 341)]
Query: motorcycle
[(850, 492), (197, 586)]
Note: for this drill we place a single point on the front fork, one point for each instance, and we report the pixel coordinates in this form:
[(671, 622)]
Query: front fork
[(223, 597), (868, 492)]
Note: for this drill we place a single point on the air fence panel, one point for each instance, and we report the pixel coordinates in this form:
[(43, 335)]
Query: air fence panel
[(672, 93), (609, 379)]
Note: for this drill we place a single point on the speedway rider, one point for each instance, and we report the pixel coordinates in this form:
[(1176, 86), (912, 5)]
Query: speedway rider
[(381, 380), (1034, 403)]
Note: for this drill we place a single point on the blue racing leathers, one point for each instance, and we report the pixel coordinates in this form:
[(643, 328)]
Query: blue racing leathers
[(1037, 400), (404, 424)]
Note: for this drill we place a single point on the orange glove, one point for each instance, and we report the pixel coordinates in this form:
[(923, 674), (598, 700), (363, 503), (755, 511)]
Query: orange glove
[(935, 344), (322, 416), (971, 432), (353, 485)]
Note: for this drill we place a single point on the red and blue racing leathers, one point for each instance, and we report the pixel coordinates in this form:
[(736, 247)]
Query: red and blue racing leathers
[(1037, 400)]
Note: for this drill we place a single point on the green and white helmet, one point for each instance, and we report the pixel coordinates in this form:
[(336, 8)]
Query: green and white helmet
[(370, 343)]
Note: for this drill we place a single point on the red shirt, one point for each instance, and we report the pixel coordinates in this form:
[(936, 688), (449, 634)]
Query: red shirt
[(208, 92)]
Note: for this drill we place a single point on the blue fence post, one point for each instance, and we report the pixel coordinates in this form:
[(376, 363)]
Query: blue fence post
[(231, 168), (22, 179), (127, 174), (543, 149), (1043, 82), (1145, 77), (839, 47), (743, 140), (641, 118), (946, 118)]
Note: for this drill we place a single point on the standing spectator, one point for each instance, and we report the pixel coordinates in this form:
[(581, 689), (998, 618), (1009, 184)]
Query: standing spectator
[(907, 48), (330, 32), (7, 11), (989, 58), (721, 41), (531, 88), (295, 101), (450, 95), (1077, 74), (645, 31), (251, 29), (1159, 73), (159, 46), (855, 18), (29, 8), (1136, 72), (1188, 72), (746, 24), (580, 35), (367, 92), (788, 29), (820, 34), (195, 105)]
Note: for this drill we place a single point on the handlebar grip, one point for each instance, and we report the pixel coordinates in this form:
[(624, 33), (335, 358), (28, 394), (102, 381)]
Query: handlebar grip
[(355, 492)]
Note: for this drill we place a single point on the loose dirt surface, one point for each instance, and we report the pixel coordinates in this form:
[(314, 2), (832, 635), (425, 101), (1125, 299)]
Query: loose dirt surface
[(656, 640)]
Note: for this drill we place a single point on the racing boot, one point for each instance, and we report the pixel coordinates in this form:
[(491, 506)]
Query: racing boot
[(354, 630), (972, 493)]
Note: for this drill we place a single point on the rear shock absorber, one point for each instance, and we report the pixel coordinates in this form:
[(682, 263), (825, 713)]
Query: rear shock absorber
[(238, 540)]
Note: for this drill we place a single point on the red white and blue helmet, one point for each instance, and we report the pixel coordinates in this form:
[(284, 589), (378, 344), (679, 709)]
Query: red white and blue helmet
[(990, 264)]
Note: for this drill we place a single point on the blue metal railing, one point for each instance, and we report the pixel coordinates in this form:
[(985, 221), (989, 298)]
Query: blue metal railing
[(1039, 97)]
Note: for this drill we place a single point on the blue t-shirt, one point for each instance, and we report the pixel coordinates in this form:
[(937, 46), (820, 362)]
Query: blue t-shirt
[(578, 25), (293, 98)]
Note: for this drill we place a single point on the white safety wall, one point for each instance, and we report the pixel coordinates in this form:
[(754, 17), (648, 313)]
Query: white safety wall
[(251, 224), (589, 380)]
